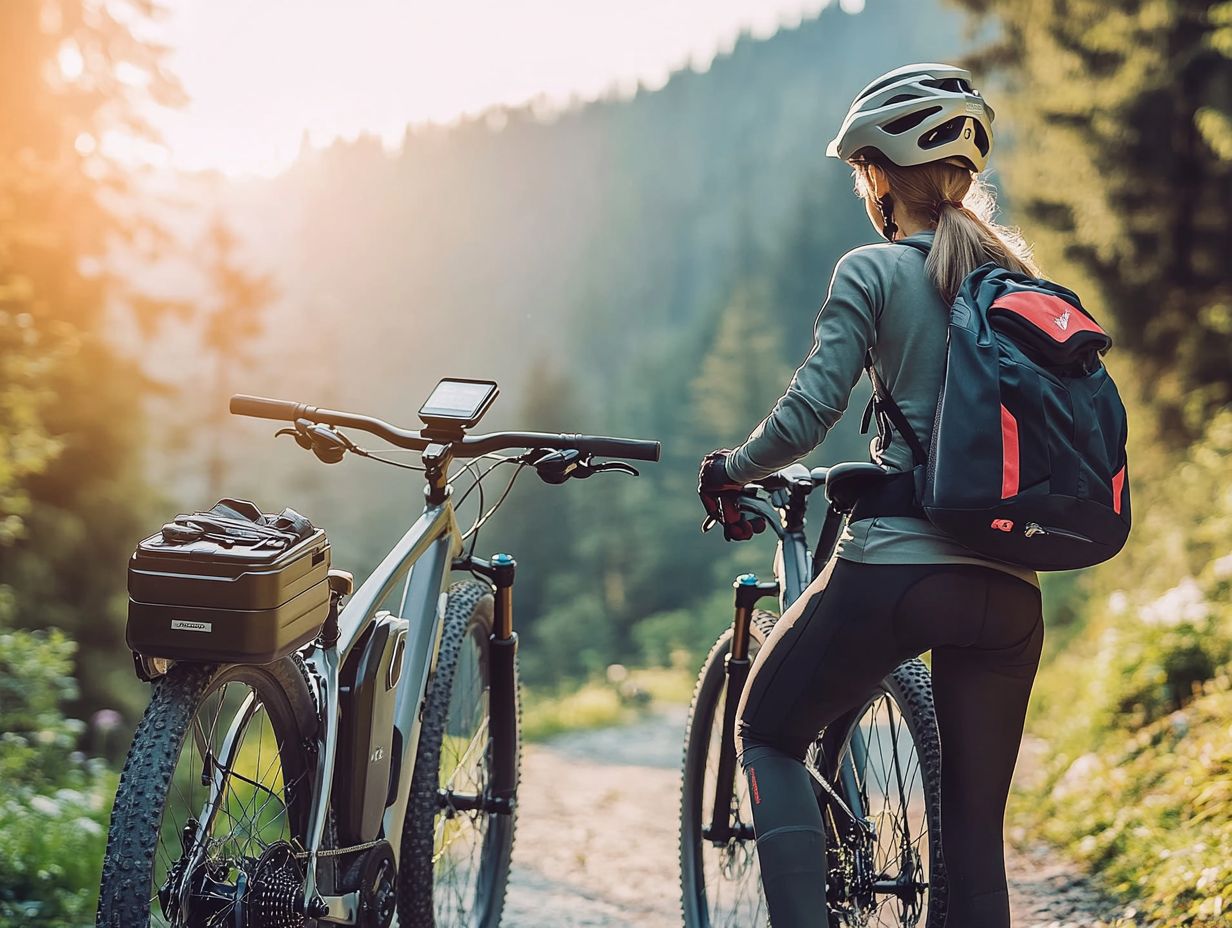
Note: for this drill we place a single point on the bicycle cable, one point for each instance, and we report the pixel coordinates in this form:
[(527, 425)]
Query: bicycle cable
[(477, 479), (473, 531)]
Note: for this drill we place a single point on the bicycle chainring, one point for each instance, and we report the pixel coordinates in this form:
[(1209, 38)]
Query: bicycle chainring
[(378, 887)]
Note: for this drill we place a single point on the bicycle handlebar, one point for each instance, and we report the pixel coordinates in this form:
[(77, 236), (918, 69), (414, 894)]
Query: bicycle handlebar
[(468, 446), (261, 408)]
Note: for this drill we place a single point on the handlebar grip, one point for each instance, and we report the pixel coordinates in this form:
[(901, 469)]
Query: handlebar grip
[(631, 449), (261, 408)]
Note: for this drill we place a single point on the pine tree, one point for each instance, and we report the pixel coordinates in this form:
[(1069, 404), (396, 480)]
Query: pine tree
[(232, 322), (1122, 175)]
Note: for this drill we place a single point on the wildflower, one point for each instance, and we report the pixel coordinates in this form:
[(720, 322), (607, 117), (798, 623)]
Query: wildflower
[(1182, 604)]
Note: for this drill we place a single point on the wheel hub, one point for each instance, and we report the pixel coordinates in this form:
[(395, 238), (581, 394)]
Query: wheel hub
[(260, 892)]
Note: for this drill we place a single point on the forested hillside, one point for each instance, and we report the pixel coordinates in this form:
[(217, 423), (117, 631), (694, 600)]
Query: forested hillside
[(647, 266)]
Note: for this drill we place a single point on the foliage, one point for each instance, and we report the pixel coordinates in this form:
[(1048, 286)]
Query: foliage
[(53, 813), (1124, 180), (230, 327), (1150, 809), (591, 705), (25, 445), (76, 83), (1135, 705), (617, 697)]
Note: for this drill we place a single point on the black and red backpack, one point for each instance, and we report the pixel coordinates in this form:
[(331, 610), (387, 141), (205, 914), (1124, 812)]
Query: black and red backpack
[(1027, 459)]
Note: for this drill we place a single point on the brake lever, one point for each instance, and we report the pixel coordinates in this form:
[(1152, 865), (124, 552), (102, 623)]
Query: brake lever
[(327, 444), (298, 433), (555, 467), (586, 469)]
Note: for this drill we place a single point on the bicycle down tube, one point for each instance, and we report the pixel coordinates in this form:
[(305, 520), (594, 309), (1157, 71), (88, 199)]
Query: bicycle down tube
[(424, 556)]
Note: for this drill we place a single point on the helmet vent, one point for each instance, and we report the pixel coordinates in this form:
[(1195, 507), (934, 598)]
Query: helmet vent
[(952, 84), (944, 134), (910, 121), (901, 98), (981, 138), (880, 85)]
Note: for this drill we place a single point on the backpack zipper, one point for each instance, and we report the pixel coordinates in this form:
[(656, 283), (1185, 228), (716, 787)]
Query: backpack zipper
[(1031, 529)]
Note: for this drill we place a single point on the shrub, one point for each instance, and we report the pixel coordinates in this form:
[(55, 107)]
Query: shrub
[(55, 805), (1136, 701)]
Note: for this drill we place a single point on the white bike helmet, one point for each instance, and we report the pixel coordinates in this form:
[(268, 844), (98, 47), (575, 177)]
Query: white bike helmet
[(916, 115)]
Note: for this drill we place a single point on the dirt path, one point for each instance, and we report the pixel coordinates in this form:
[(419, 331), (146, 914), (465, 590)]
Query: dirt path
[(596, 845)]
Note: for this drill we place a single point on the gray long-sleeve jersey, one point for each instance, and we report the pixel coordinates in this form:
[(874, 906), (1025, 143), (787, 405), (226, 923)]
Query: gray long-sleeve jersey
[(880, 300)]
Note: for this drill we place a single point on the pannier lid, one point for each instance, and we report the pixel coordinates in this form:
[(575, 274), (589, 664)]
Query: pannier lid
[(234, 531)]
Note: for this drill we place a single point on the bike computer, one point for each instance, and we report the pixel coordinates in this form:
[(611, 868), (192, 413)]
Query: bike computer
[(457, 404)]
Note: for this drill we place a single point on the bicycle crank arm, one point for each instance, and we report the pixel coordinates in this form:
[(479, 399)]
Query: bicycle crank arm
[(342, 910)]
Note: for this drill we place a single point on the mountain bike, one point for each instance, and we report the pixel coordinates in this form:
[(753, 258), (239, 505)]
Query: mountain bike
[(876, 770), (374, 771)]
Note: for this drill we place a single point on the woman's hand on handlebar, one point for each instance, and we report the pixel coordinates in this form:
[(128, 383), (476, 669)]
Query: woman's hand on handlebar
[(720, 496)]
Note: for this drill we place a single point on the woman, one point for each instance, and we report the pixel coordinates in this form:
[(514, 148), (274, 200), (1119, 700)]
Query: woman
[(898, 586)]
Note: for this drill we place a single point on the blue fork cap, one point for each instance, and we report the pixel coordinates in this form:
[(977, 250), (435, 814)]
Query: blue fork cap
[(502, 559), (747, 580)]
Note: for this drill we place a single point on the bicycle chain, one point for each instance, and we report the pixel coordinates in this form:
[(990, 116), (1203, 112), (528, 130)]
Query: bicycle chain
[(339, 851)]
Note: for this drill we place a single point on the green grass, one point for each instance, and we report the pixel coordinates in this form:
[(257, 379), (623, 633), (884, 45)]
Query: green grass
[(601, 703), (1150, 811)]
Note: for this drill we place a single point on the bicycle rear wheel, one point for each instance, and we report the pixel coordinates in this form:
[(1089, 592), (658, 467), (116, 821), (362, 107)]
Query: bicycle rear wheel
[(720, 881), (213, 800), (885, 866)]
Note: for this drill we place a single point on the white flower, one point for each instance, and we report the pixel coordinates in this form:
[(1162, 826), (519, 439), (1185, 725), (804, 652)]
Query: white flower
[(1079, 775), (1118, 602), (44, 804), (1223, 567), (88, 825), (1182, 604)]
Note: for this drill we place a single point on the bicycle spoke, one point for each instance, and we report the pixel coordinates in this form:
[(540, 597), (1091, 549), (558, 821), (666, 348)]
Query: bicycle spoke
[(248, 813), (730, 871), (888, 776), (461, 836)]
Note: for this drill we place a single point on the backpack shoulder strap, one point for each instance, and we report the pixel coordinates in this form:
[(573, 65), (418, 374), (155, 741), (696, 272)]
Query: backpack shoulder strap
[(884, 404)]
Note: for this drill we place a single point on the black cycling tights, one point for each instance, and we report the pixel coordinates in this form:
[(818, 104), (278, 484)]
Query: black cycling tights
[(855, 624)]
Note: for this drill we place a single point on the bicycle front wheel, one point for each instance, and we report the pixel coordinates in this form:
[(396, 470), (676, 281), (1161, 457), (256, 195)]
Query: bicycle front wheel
[(720, 880), (456, 849), (885, 866), (213, 803)]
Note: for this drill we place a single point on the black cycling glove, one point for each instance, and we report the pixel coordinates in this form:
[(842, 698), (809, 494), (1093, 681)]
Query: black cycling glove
[(721, 497)]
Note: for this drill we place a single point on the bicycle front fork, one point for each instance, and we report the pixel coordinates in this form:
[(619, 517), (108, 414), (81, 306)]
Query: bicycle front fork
[(748, 592), (502, 681)]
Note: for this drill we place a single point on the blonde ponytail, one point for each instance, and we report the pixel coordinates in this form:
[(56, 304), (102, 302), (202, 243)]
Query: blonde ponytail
[(962, 208)]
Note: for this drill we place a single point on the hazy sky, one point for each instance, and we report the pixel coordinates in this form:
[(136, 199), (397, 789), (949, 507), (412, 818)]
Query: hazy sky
[(262, 72)]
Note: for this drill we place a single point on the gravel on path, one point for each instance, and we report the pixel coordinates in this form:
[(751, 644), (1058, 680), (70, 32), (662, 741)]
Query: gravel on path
[(597, 844)]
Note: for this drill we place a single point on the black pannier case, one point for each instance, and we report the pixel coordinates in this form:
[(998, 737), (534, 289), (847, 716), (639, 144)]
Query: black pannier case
[(215, 600)]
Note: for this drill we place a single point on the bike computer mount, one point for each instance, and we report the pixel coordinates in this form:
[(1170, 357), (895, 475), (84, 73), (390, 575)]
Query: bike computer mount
[(455, 405)]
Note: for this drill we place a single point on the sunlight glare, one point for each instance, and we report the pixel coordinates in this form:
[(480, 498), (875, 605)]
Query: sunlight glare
[(71, 63), (261, 82)]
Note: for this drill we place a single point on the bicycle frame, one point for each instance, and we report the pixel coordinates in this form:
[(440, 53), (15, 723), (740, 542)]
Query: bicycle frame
[(425, 557), (794, 568), (791, 569)]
